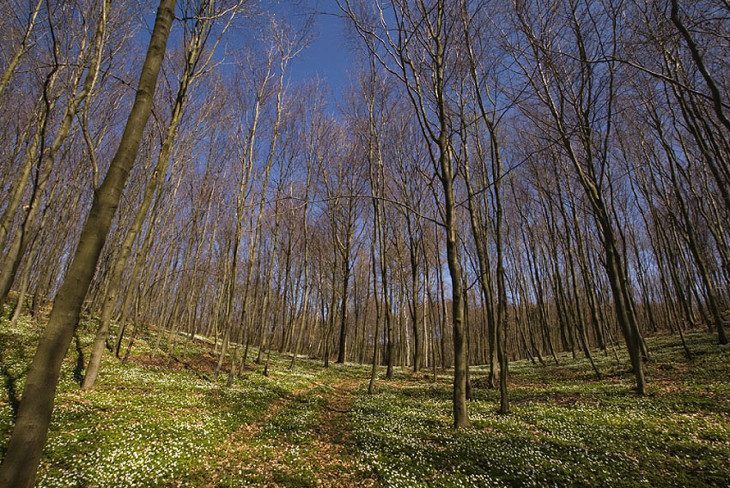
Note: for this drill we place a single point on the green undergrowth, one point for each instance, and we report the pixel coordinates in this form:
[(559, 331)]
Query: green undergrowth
[(159, 420), (277, 452), (566, 428), (149, 421)]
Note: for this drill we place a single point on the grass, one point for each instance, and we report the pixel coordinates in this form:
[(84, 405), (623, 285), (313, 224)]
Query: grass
[(152, 422), (565, 428)]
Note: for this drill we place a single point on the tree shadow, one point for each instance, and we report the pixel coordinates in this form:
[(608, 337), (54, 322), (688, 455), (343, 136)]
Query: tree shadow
[(10, 382), (80, 362), (11, 347)]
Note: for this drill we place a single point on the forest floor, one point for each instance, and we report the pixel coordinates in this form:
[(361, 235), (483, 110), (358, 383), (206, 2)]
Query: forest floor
[(155, 421)]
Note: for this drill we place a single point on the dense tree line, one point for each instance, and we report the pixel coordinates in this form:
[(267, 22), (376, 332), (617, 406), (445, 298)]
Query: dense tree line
[(500, 181)]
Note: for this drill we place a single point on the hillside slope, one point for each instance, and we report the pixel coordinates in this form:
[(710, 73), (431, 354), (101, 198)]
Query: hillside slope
[(159, 421)]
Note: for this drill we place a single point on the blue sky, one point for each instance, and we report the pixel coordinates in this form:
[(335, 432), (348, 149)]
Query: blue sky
[(330, 55)]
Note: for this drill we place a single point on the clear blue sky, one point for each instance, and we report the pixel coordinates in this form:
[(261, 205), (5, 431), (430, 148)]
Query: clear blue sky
[(329, 56)]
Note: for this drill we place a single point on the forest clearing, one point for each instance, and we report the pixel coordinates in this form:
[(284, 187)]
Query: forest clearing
[(163, 421), (364, 243)]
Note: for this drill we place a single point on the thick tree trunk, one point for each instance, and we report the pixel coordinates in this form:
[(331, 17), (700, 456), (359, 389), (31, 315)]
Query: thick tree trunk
[(24, 449)]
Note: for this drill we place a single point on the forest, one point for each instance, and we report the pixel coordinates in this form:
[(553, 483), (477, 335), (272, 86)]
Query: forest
[(495, 255)]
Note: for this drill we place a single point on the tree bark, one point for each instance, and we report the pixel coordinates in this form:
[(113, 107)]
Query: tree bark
[(24, 449)]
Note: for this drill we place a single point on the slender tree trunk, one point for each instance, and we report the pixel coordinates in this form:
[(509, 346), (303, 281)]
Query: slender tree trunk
[(20, 51), (341, 356)]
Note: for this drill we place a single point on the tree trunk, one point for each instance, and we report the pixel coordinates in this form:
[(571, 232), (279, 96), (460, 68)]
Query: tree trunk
[(24, 449)]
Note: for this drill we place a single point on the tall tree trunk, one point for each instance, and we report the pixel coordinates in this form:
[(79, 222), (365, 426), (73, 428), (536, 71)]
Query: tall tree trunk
[(24, 449), (346, 268)]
